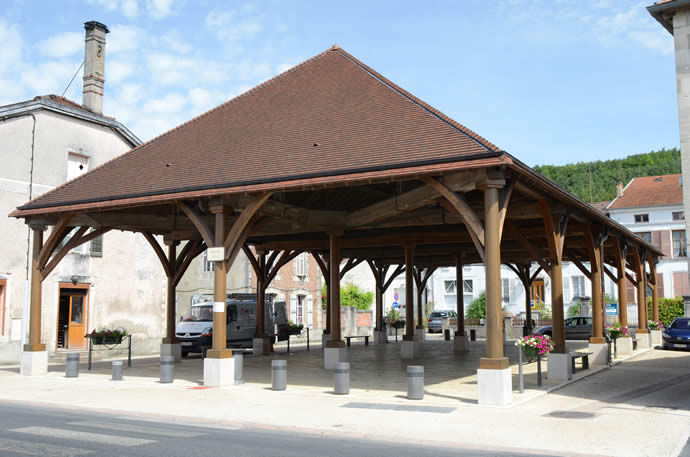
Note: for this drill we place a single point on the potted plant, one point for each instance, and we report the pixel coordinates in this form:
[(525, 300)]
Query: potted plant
[(535, 346), (655, 328), (294, 329), (617, 331), (107, 336)]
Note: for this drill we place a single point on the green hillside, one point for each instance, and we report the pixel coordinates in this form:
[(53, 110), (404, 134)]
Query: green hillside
[(596, 181)]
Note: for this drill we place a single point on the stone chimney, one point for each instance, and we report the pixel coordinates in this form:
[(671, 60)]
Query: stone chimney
[(619, 190), (94, 66)]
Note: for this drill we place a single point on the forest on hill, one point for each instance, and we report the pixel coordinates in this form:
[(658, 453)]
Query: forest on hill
[(596, 181)]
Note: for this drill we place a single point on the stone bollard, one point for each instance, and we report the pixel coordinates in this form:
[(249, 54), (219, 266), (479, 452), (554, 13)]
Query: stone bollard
[(117, 370), (72, 366), (167, 369), (342, 378), (415, 382), (239, 361), (446, 334), (279, 374)]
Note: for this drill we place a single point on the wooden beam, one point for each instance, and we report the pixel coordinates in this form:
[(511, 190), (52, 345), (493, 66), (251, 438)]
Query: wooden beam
[(468, 216), (160, 253), (252, 260), (199, 222), (322, 265), (552, 238), (197, 248), (398, 270), (77, 240), (351, 263), (591, 250), (503, 202), (524, 242), (58, 233), (285, 257), (240, 225), (582, 268), (631, 279)]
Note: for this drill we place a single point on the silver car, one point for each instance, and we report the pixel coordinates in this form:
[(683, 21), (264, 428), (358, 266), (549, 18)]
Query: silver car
[(576, 328)]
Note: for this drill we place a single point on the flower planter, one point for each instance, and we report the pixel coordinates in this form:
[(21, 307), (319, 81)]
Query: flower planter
[(106, 340)]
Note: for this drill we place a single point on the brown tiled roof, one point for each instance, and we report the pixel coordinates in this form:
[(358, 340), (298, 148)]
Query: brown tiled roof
[(331, 115), (651, 191), (61, 100), (600, 206)]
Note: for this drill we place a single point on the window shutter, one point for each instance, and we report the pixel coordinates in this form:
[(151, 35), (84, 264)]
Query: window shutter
[(567, 298), (660, 284), (680, 284), (631, 291), (293, 309), (665, 243), (310, 311), (96, 248)]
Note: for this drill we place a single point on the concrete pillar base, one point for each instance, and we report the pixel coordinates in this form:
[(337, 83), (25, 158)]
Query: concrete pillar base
[(410, 349), (656, 338), (380, 337), (332, 356), (624, 346), (461, 343), (172, 349), (324, 338), (34, 363), (599, 354), (643, 340), (420, 334), (261, 346), (219, 372), (495, 387), (559, 367)]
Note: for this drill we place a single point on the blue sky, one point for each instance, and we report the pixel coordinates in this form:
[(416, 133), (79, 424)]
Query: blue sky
[(550, 81)]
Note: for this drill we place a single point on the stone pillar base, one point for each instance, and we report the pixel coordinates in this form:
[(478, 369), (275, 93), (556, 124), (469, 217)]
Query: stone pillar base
[(324, 339), (559, 367), (261, 346), (461, 343), (380, 337), (410, 349), (219, 372), (332, 356), (656, 338), (624, 346), (420, 334), (495, 387), (599, 354), (643, 339), (172, 349), (34, 363)]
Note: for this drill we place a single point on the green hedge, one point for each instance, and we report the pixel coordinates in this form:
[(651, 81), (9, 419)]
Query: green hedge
[(669, 309)]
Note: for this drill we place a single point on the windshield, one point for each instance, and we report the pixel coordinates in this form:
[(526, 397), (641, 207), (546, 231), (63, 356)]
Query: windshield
[(681, 323), (199, 313), (437, 314)]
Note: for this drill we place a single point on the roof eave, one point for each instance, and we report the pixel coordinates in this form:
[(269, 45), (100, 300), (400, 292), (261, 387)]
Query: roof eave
[(663, 12), (22, 108)]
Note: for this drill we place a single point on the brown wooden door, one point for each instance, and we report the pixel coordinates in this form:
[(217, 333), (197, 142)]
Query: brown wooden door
[(76, 329), (536, 291)]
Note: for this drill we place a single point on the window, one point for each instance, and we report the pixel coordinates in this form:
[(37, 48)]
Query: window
[(301, 265), (566, 289), (96, 247), (207, 266), (579, 286), (639, 218), (647, 236), (679, 215), (679, 244), (467, 286), (300, 309), (449, 286), (77, 164), (505, 290)]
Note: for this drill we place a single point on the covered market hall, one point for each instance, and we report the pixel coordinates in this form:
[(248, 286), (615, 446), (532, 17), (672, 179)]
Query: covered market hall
[(333, 159)]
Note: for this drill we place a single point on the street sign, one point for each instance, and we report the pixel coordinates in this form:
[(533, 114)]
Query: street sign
[(396, 297), (395, 304), (215, 254), (612, 309)]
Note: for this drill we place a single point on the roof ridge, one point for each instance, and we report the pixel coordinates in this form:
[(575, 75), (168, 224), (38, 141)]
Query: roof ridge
[(194, 119), (486, 144)]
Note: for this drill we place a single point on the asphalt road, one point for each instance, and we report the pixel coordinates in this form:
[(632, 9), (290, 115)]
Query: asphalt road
[(47, 432)]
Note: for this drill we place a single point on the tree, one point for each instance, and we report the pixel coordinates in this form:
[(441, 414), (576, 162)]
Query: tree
[(669, 309), (574, 309), (477, 309), (352, 295)]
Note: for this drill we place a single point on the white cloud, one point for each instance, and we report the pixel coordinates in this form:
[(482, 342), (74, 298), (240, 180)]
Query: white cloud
[(62, 45), (130, 8), (117, 71), (49, 77), (216, 18), (169, 104), (203, 100), (173, 69), (159, 9), (123, 38), (228, 27), (241, 31), (11, 40)]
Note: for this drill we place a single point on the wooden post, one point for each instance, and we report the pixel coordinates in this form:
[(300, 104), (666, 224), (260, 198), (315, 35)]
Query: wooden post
[(622, 290), (492, 262), (379, 297), (219, 349), (34, 344), (655, 289), (261, 296), (334, 288), (459, 292), (409, 292), (594, 249), (420, 306), (555, 237), (641, 291), (170, 310)]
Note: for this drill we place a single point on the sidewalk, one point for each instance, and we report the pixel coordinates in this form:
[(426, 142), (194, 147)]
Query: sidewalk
[(626, 410)]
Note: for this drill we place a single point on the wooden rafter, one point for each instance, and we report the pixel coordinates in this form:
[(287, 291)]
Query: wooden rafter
[(234, 240), (349, 265), (159, 252), (79, 238), (472, 222), (58, 233), (525, 243), (199, 222), (503, 202), (197, 247), (398, 270), (610, 275), (592, 251)]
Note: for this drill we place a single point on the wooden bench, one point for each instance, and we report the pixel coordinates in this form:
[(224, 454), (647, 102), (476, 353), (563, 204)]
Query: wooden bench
[(366, 339), (580, 355)]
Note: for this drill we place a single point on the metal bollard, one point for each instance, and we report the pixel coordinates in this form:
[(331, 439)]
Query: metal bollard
[(72, 366), (117, 370), (415, 382), (239, 361), (473, 335), (279, 374), (342, 378), (446, 334), (167, 369)]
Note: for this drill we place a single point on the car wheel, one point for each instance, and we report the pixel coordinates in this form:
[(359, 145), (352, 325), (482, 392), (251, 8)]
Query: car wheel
[(548, 334), (185, 354)]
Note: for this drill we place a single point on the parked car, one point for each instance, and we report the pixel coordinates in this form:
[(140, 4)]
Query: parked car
[(576, 328), (677, 335), (437, 318)]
